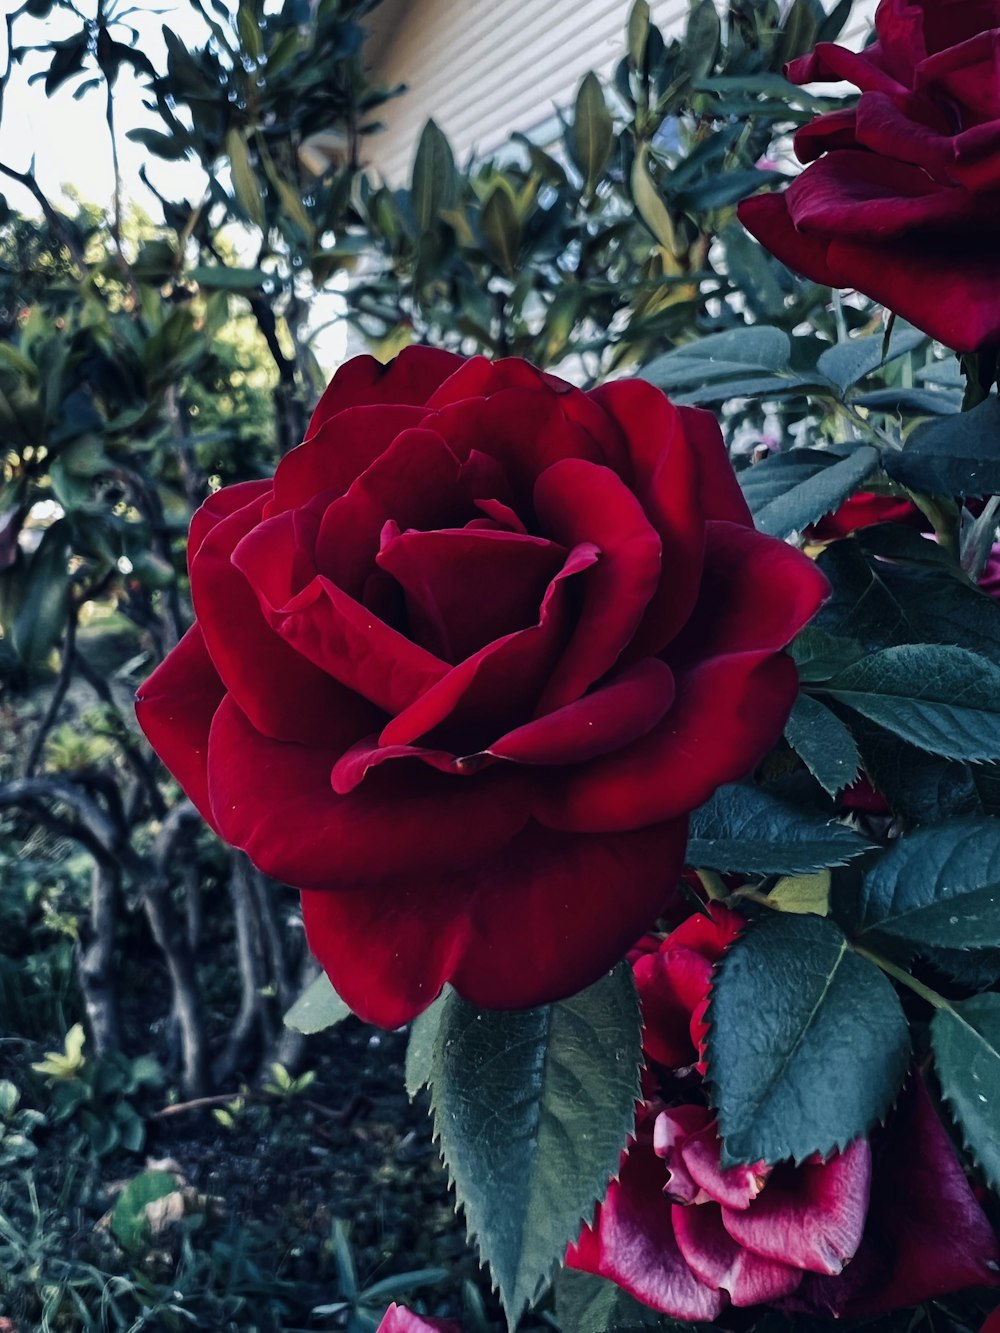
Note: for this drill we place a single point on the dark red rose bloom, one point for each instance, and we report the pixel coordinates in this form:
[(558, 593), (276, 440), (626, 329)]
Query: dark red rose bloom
[(992, 1323), (460, 671), (902, 197), (876, 1227)]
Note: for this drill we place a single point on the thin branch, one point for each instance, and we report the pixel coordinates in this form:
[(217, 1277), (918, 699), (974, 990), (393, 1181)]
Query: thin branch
[(58, 695), (55, 221)]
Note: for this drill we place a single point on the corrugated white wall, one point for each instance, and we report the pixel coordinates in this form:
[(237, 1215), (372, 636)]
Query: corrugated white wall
[(483, 68)]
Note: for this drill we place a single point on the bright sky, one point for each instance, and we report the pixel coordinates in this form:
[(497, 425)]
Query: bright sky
[(69, 138)]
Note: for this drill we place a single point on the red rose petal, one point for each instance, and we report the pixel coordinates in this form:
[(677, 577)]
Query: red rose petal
[(397, 1319), (671, 1129), (756, 594), (737, 1187), (466, 588), (667, 480), (628, 705), (219, 505), (284, 695), (417, 483), (829, 63), (727, 714), (337, 453), (409, 379), (497, 687), (766, 217), (709, 933), (926, 1235), (671, 984), (720, 1262), (579, 502), (812, 1215), (632, 1242), (175, 707), (853, 193), (837, 129), (578, 901), (275, 802)]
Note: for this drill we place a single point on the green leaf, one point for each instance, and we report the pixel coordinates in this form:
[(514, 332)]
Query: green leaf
[(246, 186), (432, 185), (420, 1046), (744, 829), (966, 1040), (945, 700), (955, 455), (317, 1008), (850, 361), (592, 133), (44, 598), (823, 743), (638, 31), (649, 205), (501, 229), (532, 1110), (802, 894), (589, 1304), (217, 277), (938, 886), (786, 493), (701, 38), (128, 1220), (249, 29), (755, 348), (794, 1015)]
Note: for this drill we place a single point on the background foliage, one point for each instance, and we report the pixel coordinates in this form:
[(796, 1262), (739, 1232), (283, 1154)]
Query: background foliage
[(145, 969)]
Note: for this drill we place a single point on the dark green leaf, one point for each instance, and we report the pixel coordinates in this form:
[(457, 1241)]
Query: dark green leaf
[(246, 186), (787, 493), (850, 361), (214, 277), (921, 401), (44, 598), (317, 1008), (701, 38), (882, 604), (794, 1015), (128, 1220), (593, 131), (957, 455), (501, 229), (638, 30), (532, 1110), (432, 186), (737, 352), (832, 26), (420, 1045), (67, 59), (823, 743), (966, 1040), (945, 700), (819, 655), (746, 830), (938, 886), (589, 1304)]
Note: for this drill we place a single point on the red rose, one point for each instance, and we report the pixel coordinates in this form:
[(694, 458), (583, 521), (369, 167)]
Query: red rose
[(398, 1319), (462, 669), (992, 1323), (902, 197), (862, 510), (868, 1230)]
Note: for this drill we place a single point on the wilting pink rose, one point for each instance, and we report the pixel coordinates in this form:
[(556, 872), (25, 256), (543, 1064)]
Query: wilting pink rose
[(461, 670), (873, 1228), (901, 199), (398, 1319)]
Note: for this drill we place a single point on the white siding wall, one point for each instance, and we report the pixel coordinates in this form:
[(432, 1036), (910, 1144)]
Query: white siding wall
[(483, 68)]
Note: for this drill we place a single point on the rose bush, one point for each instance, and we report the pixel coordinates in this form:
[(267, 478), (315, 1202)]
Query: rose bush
[(873, 1228), (460, 671), (901, 197)]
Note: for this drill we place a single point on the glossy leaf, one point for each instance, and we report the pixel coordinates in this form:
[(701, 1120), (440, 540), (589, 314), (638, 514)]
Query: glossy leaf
[(823, 743), (786, 1082), (317, 1008), (966, 1039), (937, 886), (945, 700), (956, 455), (786, 494), (532, 1110), (432, 186), (743, 829)]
